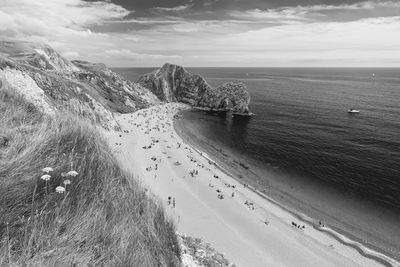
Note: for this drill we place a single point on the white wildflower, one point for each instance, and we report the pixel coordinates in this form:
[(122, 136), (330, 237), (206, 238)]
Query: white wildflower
[(47, 169), (60, 189), (72, 173), (67, 182), (45, 177)]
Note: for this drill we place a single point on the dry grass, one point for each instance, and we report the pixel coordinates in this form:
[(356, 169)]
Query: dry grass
[(104, 218)]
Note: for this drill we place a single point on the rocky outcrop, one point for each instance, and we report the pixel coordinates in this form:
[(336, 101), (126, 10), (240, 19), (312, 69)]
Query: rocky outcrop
[(115, 92), (52, 83), (238, 96), (173, 83)]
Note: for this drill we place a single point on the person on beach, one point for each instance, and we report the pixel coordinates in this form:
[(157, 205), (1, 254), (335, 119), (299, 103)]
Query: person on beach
[(169, 200), (173, 203)]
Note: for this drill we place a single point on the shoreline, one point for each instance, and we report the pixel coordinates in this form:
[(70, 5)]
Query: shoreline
[(151, 149), (346, 238)]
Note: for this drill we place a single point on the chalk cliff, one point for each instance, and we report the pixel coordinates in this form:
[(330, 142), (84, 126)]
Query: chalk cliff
[(52, 83), (173, 83)]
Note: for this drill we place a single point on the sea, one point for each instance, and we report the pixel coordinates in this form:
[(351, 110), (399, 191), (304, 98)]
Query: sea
[(302, 135)]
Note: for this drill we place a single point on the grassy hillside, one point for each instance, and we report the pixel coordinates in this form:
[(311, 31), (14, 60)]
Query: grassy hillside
[(104, 217)]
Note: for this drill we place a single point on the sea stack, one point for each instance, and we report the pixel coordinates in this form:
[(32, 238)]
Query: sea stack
[(173, 83)]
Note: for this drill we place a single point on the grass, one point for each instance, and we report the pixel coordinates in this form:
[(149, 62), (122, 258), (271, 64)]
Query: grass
[(104, 218)]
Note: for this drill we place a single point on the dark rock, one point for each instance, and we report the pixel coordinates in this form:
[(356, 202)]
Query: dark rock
[(238, 97)]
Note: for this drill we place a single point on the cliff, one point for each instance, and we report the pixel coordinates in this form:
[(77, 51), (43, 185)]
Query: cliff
[(52, 83), (173, 83)]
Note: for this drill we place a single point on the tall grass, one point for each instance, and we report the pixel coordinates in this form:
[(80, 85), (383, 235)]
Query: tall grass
[(104, 218)]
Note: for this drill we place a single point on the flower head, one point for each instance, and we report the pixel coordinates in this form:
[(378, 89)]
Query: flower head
[(67, 182), (60, 189), (45, 177), (72, 173), (47, 169)]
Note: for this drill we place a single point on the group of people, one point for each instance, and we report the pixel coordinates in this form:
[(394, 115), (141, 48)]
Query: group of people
[(249, 204), (194, 172), (171, 200), (299, 226)]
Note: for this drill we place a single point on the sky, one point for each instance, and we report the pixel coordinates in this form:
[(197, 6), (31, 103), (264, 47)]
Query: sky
[(211, 33)]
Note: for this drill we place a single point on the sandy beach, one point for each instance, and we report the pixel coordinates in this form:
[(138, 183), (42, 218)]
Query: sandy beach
[(206, 202)]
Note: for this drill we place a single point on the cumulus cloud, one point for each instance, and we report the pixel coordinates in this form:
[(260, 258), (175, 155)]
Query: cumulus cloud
[(40, 17), (286, 36), (61, 23)]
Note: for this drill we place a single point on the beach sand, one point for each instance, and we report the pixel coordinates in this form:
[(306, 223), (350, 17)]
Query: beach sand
[(206, 202)]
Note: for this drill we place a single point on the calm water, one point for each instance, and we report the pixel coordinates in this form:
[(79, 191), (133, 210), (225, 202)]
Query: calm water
[(303, 129)]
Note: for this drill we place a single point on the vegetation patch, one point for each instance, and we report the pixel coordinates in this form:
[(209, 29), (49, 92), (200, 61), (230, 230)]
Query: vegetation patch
[(195, 252), (64, 199)]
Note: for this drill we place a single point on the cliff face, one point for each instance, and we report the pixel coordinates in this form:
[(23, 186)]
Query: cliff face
[(173, 83), (52, 83)]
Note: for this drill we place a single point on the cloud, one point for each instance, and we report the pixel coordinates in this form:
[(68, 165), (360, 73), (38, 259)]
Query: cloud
[(230, 36), (364, 42), (61, 23), (370, 34), (56, 14), (126, 54), (291, 14), (288, 36), (284, 16), (173, 9)]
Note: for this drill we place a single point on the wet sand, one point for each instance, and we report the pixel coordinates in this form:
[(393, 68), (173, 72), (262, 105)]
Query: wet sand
[(205, 201)]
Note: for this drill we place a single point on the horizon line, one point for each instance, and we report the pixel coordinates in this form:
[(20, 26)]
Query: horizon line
[(266, 67)]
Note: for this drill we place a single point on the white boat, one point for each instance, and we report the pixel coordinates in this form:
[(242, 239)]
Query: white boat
[(353, 111)]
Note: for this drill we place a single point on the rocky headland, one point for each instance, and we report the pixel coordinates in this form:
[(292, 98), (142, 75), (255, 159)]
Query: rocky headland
[(90, 90), (173, 83)]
